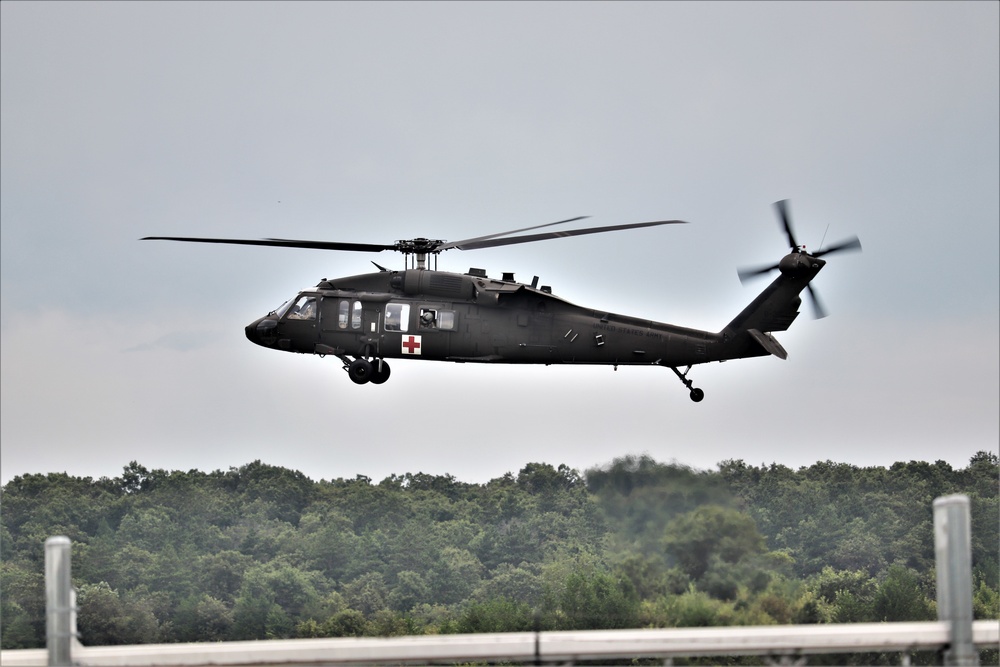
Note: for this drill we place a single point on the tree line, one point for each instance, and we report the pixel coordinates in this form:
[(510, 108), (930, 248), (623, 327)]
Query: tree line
[(261, 551)]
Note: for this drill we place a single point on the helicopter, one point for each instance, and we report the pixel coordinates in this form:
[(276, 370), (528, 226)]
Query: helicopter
[(423, 313)]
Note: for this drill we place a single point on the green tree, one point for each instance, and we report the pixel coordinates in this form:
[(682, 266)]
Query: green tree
[(368, 593), (202, 618), (899, 598), (850, 594), (693, 538), (497, 615), (410, 590), (287, 491), (597, 600), (107, 618), (220, 574), (692, 609), (345, 623), (638, 497), (519, 584), (272, 600), (455, 575), (22, 606)]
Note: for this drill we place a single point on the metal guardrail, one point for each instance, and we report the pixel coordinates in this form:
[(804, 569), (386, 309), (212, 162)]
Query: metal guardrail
[(777, 641), (955, 634)]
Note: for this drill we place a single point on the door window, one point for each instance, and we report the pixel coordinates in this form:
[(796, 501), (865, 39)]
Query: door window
[(397, 316)]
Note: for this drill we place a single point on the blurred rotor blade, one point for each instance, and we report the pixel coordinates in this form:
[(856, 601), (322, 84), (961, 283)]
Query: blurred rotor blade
[(331, 245), (456, 244), (786, 222), (819, 312), (853, 243), (749, 272), (490, 243), (280, 243)]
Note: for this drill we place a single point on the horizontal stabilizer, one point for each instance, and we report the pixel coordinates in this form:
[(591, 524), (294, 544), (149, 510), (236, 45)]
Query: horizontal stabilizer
[(769, 343)]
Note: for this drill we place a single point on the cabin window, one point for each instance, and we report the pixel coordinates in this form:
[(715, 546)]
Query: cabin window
[(397, 316), (356, 315), (304, 308), (434, 318), (342, 313), (446, 320)]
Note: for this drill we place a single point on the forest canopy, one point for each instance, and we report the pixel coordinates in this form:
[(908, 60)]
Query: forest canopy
[(261, 551)]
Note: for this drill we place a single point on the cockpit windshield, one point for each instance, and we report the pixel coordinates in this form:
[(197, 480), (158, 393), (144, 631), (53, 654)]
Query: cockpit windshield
[(304, 308), (280, 310)]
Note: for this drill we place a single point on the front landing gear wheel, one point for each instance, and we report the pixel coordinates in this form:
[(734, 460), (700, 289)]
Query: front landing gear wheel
[(380, 372), (697, 395), (360, 371)]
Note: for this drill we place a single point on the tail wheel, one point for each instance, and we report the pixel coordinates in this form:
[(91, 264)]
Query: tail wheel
[(696, 394), (360, 371)]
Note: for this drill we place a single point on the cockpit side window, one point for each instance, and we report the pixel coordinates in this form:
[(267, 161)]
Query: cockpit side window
[(304, 308), (397, 316)]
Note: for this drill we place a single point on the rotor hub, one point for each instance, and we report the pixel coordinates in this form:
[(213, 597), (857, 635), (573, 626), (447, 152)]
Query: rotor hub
[(419, 246), (799, 262)]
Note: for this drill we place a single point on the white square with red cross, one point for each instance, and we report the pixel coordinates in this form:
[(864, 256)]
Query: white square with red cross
[(411, 345)]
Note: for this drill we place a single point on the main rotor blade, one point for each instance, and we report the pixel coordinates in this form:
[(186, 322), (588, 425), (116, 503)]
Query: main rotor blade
[(490, 243), (456, 244), (280, 243), (786, 222), (853, 243)]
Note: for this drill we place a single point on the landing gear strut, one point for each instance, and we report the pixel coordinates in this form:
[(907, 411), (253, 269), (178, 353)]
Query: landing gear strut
[(696, 394)]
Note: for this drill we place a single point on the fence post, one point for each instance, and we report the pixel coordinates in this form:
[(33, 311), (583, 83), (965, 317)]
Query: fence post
[(953, 553), (59, 603)]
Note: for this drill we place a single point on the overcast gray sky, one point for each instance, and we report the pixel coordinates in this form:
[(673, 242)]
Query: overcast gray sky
[(372, 122)]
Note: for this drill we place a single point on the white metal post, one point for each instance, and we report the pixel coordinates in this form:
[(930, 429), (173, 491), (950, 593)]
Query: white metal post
[(953, 553), (59, 602)]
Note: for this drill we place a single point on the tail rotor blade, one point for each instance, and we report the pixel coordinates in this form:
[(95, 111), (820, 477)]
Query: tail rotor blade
[(786, 222), (853, 243), (819, 312), (750, 272)]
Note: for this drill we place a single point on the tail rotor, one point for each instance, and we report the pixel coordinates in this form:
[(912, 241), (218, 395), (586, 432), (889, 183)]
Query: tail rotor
[(784, 218)]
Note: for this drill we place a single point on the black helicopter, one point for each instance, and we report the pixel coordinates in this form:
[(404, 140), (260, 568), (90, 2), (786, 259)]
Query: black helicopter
[(423, 313)]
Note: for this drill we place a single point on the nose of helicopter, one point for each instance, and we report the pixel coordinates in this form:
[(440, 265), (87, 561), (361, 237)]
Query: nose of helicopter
[(262, 332)]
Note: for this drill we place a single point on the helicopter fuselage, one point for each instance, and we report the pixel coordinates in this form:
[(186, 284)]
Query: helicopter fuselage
[(433, 315), (440, 316)]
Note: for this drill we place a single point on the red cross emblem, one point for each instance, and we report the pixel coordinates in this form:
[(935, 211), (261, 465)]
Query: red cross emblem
[(411, 345)]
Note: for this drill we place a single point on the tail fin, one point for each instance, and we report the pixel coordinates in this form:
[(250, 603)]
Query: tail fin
[(773, 310)]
